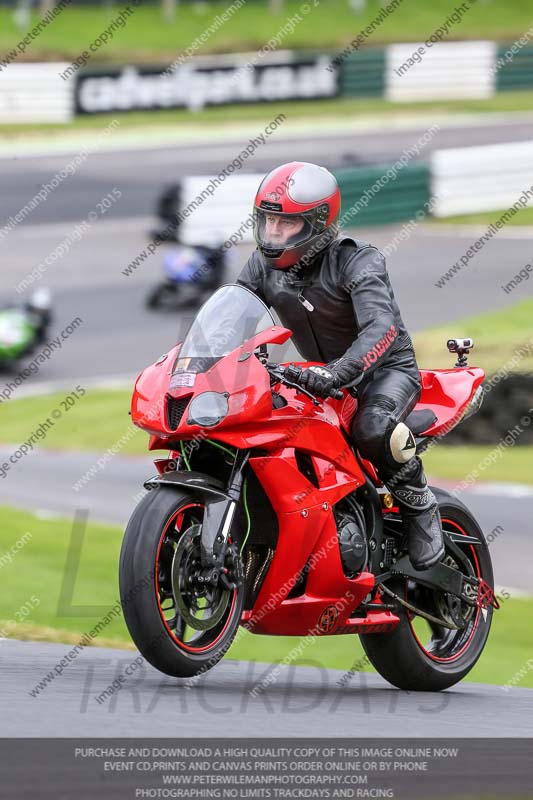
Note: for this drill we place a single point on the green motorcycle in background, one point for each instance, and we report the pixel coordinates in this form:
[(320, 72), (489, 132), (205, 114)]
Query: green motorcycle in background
[(23, 329)]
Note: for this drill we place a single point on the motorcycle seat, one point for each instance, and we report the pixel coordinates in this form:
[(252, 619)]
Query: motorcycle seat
[(420, 420)]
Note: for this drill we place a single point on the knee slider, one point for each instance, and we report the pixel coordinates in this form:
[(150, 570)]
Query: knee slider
[(402, 444)]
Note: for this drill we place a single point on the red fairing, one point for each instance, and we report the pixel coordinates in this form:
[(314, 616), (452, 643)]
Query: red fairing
[(347, 411), (246, 381), (148, 401), (307, 529), (447, 392)]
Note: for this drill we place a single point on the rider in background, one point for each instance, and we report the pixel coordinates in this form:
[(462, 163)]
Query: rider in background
[(169, 205), (334, 293), (39, 310)]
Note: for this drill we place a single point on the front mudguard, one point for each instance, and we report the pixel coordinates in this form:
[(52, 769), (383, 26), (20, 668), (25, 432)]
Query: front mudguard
[(219, 514)]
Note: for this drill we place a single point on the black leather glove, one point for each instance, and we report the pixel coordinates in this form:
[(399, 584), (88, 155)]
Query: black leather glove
[(320, 381), (356, 373)]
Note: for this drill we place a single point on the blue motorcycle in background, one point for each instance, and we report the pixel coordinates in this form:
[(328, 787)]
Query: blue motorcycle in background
[(191, 272), (191, 275)]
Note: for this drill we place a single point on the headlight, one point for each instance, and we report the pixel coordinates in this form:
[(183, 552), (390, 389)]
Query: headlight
[(208, 409)]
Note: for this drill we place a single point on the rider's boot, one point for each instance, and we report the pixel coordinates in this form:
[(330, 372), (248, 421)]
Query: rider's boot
[(420, 514)]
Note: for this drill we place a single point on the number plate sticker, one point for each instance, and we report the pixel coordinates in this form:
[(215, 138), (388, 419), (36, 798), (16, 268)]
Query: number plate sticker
[(182, 379)]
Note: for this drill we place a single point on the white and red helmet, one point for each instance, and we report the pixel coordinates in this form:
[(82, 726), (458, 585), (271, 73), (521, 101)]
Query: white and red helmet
[(302, 190)]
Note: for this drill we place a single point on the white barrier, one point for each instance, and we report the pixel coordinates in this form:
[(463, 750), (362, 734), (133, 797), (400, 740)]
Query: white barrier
[(446, 70), (221, 214), (35, 93), (470, 179)]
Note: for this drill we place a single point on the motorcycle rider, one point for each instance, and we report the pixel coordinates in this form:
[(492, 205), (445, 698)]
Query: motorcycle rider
[(38, 309), (334, 293), (169, 208)]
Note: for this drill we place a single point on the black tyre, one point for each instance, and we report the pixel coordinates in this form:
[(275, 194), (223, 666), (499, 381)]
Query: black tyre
[(180, 627), (420, 655)]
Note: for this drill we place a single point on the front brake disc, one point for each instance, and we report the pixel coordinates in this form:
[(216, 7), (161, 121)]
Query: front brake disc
[(186, 596)]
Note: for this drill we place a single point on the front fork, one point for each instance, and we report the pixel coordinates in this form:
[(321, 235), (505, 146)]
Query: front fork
[(220, 504), (218, 520)]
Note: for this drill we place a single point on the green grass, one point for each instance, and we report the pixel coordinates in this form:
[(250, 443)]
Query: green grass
[(38, 570), (39, 566), (455, 463), (100, 420), (498, 335), (524, 216), (96, 422), (330, 24), (357, 109)]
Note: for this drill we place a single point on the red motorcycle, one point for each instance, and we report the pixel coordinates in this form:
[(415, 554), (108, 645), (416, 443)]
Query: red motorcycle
[(265, 516)]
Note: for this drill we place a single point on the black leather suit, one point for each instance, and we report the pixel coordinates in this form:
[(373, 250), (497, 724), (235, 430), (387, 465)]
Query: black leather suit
[(355, 327)]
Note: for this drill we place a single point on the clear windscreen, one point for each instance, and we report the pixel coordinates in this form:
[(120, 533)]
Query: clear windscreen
[(230, 317)]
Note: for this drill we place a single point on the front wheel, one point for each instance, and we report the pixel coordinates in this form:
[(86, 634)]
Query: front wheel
[(421, 655), (181, 627)]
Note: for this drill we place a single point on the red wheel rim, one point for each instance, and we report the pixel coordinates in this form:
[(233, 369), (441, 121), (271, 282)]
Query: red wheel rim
[(171, 633), (457, 655)]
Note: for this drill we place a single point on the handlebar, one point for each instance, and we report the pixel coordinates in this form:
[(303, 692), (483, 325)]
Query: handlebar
[(291, 375)]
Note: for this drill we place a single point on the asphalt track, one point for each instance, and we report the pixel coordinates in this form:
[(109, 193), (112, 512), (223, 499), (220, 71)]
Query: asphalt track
[(141, 172), (152, 704), (120, 336)]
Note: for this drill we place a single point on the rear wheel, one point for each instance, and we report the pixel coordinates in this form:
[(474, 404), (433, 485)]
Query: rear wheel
[(422, 655), (181, 626)]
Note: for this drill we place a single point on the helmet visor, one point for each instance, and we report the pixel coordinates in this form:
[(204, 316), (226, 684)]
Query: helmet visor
[(277, 231)]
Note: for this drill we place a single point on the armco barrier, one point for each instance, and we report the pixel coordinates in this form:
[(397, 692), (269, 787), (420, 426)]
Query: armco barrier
[(470, 179), (35, 93), (395, 200), (363, 74), (445, 71), (517, 72), (225, 211), (222, 213)]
